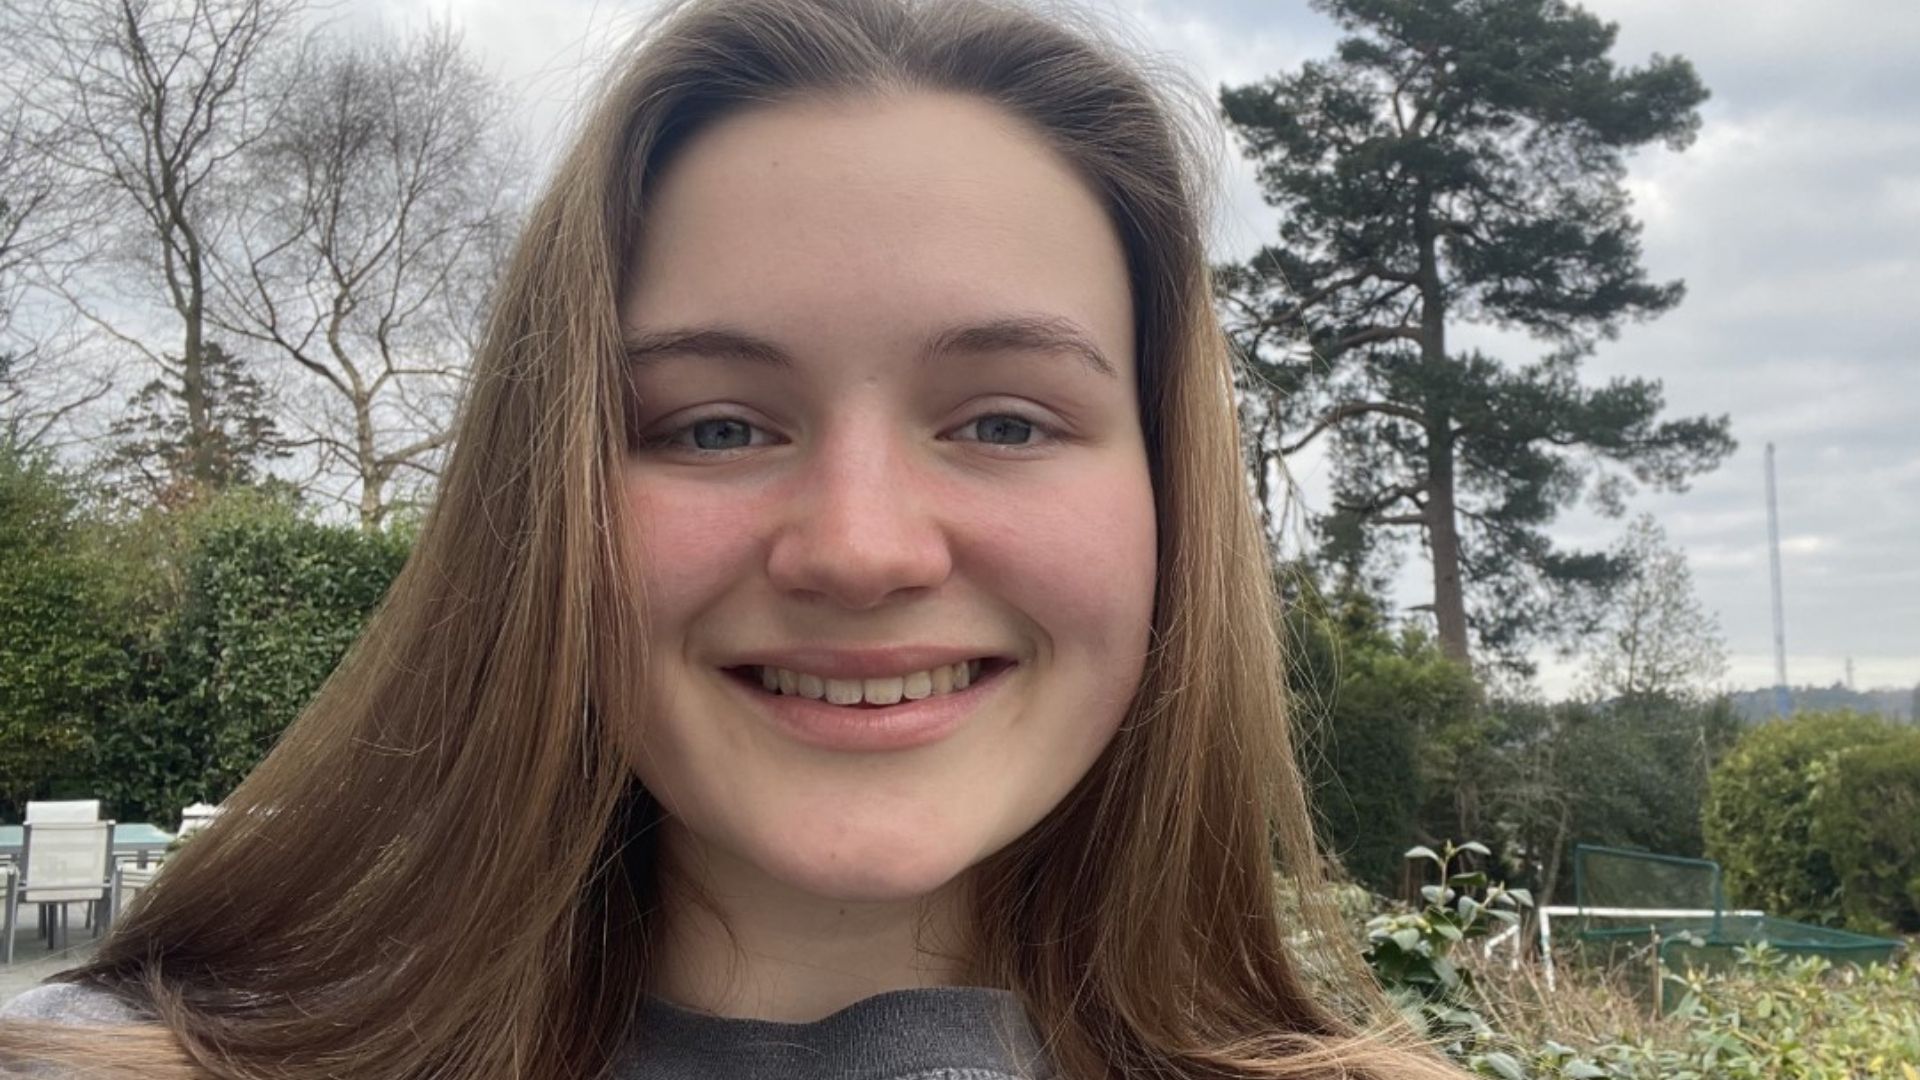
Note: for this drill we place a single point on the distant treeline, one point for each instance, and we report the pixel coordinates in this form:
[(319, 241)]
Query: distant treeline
[(1894, 703)]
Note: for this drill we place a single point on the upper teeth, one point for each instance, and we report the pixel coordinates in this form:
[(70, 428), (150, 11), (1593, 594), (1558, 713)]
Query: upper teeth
[(888, 690)]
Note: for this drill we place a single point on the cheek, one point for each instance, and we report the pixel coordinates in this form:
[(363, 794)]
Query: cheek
[(690, 546), (1080, 561)]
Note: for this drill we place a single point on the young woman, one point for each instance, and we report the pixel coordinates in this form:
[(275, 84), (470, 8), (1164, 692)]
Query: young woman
[(842, 645)]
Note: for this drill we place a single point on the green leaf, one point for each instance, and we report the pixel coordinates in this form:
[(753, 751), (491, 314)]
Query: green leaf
[(1421, 851), (1503, 1066)]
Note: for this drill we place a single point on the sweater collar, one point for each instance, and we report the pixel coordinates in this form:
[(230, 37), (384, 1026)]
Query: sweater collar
[(891, 1034)]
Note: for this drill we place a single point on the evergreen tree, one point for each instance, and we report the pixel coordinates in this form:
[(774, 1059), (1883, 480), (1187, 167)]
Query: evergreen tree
[(1463, 162), (175, 456)]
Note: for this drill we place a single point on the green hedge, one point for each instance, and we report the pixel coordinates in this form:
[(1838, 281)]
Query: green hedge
[(62, 658), (151, 661), (1866, 816), (269, 603), (1759, 816)]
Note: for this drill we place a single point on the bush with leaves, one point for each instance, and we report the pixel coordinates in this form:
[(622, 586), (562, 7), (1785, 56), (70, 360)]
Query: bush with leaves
[(61, 642), (1369, 702), (1627, 773), (1866, 817), (1802, 1018), (269, 601), (1409, 952), (1759, 816)]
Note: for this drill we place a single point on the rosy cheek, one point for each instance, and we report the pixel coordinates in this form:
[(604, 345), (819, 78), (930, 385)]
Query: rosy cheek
[(693, 541), (1078, 559)]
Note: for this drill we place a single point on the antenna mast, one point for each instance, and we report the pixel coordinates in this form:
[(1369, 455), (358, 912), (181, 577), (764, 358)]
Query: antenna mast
[(1780, 697)]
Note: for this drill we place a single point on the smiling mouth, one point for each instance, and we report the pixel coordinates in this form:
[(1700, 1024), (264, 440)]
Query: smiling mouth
[(876, 693)]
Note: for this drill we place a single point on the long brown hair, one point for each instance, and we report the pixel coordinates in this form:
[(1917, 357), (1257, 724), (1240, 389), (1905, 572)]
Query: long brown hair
[(444, 869)]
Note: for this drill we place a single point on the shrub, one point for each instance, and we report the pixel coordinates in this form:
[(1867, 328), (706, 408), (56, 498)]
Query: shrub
[(61, 648), (1866, 816), (1804, 1017), (1627, 774), (1369, 702), (1413, 956), (269, 602), (1758, 821)]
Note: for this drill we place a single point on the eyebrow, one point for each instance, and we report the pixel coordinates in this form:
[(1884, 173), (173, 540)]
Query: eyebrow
[(1013, 333)]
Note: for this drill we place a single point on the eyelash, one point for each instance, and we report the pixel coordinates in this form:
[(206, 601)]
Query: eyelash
[(1044, 433)]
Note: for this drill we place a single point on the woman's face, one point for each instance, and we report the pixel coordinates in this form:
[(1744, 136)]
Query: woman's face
[(886, 446)]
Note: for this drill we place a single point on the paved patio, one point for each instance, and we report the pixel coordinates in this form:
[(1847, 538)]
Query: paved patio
[(33, 961)]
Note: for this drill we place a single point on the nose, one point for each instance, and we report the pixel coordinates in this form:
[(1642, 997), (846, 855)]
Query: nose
[(860, 526)]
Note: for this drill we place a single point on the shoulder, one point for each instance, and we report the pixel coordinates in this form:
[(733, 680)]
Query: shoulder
[(68, 1003)]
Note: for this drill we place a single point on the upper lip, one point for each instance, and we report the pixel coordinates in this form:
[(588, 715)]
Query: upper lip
[(870, 663)]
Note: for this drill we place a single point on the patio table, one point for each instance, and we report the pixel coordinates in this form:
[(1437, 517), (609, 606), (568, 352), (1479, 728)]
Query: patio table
[(136, 838)]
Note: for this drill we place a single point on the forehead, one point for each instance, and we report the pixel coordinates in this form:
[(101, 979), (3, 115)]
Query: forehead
[(882, 215)]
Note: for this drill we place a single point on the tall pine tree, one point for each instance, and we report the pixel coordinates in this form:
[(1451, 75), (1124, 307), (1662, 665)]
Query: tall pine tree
[(1461, 161)]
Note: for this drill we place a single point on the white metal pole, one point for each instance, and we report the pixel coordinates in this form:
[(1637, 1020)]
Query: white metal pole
[(1781, 704)]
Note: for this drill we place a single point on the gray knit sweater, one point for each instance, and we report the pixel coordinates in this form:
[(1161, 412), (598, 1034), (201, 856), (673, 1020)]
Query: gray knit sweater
[(948, 1033)]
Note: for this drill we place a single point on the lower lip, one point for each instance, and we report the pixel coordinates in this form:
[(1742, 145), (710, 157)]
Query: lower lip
[(867, 730)]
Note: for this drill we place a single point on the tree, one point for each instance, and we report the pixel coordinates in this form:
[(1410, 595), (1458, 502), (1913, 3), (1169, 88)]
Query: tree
[(1864, 809), (1463, 162), (37, 393), (384, 200), (155, 443), (1576, 772), (155, 100), (1656, 641)]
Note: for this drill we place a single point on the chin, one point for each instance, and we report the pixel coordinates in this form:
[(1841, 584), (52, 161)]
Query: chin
[(881, 866)]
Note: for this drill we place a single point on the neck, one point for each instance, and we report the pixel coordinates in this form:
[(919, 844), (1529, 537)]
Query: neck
[(799, 957)]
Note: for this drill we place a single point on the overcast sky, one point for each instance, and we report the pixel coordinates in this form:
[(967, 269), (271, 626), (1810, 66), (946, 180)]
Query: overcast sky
[(1794, 220)]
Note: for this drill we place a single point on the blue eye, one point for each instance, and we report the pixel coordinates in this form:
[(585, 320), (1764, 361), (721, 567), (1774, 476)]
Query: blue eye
[(713, 435), (1003, 430), (719, 435), (722, 433)]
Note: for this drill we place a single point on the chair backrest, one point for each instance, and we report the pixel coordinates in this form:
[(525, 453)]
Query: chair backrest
[(64, 810), (196, 817), (59, 854)]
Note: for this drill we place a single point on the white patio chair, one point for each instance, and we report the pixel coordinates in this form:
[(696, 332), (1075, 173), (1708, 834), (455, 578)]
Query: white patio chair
[(43, 810), (128, 881), (197, 817), (60, 862), (63, 810), (12, 874)]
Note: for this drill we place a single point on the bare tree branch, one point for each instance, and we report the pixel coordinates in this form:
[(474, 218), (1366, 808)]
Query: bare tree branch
[(155, 102), (382, 206)]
